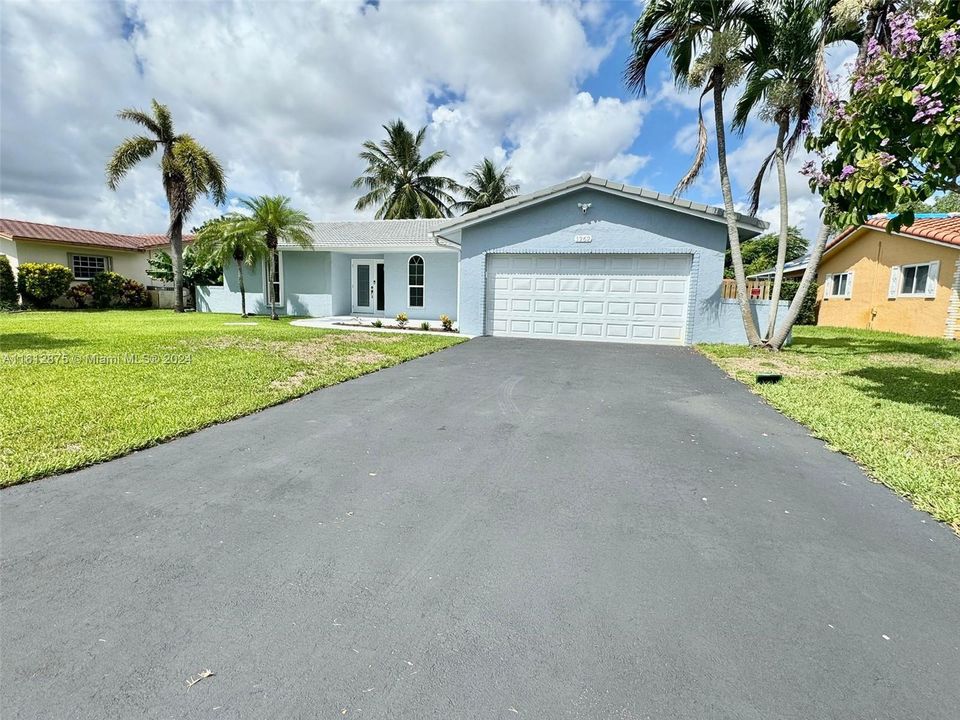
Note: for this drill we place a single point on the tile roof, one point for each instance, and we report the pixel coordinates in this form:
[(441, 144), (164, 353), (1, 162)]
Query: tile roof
[(374, 233), (79, 236), (940, 227), (588, 180)]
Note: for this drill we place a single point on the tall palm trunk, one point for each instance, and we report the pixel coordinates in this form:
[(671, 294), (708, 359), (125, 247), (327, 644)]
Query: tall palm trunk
[(784, 122), (733, 234), (271, 259), (780, 336), (176, 257), (243, 292)]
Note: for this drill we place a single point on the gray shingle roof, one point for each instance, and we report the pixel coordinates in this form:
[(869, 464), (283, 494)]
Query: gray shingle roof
[(586, 180), (375, 233)]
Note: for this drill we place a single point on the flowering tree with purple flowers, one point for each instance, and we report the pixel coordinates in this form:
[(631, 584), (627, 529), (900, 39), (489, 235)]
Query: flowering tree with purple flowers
[(896, 141)]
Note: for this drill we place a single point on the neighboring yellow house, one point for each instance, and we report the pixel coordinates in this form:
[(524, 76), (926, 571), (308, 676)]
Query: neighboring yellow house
[(905, 282), (84, 252)]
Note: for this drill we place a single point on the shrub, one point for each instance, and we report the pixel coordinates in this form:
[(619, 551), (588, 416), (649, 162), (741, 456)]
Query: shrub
[(424, 325), (8, 285), (446, 322), (42, 283), (107, 288), (402, 319), (81, 295), (112, 289), (808, 311), (134, 295), (377, 323)]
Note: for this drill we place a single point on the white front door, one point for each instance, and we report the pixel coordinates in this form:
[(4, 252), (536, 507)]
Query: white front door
[(611, 298), (364, 286)]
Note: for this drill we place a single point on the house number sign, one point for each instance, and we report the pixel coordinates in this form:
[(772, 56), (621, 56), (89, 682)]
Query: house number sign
[(583, 238)]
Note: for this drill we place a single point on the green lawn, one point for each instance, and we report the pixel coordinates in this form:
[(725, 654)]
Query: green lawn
[(891, 402), (82, 387)]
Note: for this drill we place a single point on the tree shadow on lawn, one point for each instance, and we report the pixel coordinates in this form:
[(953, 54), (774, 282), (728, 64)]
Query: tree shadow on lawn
[(857, 345), (12, 342), (939, 392)]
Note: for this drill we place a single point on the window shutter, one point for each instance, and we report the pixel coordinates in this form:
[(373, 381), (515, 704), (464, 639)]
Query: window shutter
[(849, 292), (894, 282), (932, 273), (827, 286)]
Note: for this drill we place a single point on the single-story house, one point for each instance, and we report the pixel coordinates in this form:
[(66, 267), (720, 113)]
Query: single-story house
[(84, 252), (792, 270), (587, 259), (906, 281)]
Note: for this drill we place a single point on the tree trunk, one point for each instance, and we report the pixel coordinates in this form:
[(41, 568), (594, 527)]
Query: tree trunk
[(243, 292), (176, 258), (733, 234), (869, 31), (271, 259), (784, 228), (780, 337)]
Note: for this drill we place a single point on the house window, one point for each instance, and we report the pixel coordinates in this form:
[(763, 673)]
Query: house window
[(274, 290), (913, 279), (86, 266), (840, 281), (415, 273), (839, 285)]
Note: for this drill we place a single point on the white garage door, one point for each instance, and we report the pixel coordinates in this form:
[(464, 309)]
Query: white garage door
[(607, 298)]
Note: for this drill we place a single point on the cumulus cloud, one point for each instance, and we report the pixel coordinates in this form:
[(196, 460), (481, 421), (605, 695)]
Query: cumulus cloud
[(585, 135), (284, 93)]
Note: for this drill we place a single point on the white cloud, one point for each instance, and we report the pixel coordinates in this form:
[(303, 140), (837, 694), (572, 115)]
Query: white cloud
[(284, 93), (585, 135)]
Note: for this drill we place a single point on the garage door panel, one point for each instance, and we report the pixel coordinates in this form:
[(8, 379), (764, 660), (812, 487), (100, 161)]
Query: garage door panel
[(615, 298)]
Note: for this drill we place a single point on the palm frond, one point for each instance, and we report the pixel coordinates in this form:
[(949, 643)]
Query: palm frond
[(163, 119), (141, 118), (127, 154), (701, 154)]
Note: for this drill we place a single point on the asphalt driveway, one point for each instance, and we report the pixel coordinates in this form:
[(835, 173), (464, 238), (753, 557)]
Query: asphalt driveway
[(506, 529)]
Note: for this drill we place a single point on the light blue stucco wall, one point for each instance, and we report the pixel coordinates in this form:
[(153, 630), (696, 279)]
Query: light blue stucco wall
[(318, 283), (617, 225), (439, 285), (306, 287), (726, 324)]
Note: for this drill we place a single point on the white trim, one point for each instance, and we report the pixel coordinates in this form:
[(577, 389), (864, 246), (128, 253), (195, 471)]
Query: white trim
[(641, 195), (422, 285), (71, 257), (846, 290), (953, 307), (929, 264), (371, 263)]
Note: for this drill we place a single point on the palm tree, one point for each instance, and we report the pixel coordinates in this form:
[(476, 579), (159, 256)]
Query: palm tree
[(398, 180), (270, 222), (703, 40), (783, 81), (486, 185), (220, 241), (872, 19), (187, 168)]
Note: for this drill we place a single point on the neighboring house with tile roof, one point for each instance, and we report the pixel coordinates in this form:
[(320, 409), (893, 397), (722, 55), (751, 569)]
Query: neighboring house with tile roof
[(84, 252), (906, 282), (587, 259)]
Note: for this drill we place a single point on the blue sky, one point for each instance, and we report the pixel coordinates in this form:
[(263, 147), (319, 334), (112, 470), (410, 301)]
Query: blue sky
[(285, 92)]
